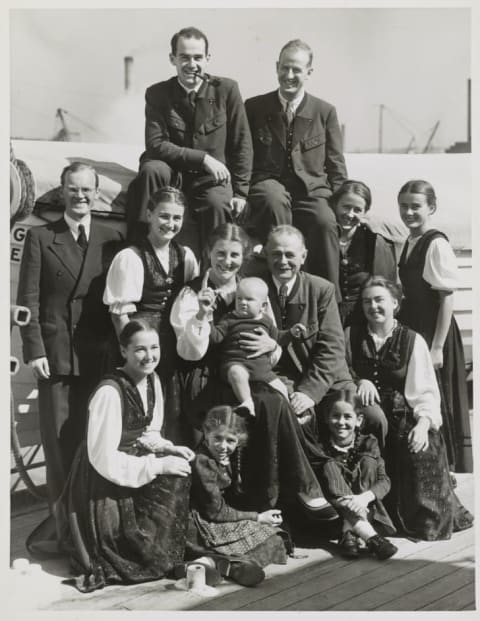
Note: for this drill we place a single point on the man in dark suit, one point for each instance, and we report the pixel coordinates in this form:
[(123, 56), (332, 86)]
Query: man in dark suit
[(314, 363), (61, 281), (298, 162), (196, 135)]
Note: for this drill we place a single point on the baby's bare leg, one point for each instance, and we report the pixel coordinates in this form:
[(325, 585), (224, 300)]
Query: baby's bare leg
[(238, 378)]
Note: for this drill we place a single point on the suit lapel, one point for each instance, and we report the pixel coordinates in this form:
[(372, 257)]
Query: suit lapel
[(66, 249), (275, 118), (303, 120)]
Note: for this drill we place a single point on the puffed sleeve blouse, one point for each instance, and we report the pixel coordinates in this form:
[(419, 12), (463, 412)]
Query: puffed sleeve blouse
[(125, 278), (105, 431), (440, 269)]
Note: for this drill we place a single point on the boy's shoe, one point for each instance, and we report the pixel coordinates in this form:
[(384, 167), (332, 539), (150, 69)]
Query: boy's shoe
[(245, 571), (382, 548), (348, 545)]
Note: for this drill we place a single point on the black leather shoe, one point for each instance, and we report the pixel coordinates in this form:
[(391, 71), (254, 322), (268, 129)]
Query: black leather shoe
[(382, 548), (348, 545), (246, 572)]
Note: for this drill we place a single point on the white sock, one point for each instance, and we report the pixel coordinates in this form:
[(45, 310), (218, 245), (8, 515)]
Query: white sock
[(364, 530)]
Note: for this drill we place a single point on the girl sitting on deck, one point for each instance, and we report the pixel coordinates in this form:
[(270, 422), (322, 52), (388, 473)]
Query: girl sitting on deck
[(127, 495), (392, 366), (354, 480), (217, 526)]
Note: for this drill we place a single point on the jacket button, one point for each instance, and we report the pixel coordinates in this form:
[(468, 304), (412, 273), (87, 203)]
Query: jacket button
[(59, 273)]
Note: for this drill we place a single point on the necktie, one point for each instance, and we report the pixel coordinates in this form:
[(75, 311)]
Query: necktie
[(282, 296), (289, 113), (192, 96), (82, 238)]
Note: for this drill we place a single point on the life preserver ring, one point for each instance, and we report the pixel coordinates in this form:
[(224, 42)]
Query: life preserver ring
[(22, 190)]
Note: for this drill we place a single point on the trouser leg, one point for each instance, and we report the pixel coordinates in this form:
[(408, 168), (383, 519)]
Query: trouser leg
[(269, 206), (315, 219)]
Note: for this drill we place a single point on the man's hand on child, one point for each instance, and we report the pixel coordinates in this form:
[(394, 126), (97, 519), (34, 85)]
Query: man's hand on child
[(256, 343), (272, 517)]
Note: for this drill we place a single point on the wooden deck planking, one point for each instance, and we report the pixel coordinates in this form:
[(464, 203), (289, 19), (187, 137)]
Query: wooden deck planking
[(454, 600), (355, 579), (405, 576), (323, 581), (432, 591)]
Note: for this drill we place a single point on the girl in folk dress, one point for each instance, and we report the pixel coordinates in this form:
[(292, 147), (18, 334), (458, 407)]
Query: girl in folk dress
[(393, 367), (217, 525), (127, 496), (143, 281), (429, 276), (363, 249), (354, 480)]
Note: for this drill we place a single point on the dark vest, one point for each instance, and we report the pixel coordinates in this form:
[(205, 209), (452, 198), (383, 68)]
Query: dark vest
[(356, 265), (134, 418), (387, 368), (160, 288), (420, 305)]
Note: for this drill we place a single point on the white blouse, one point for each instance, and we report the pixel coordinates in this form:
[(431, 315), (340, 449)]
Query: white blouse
[(421, 388), (104, 434), (440, 269), (125, 278), (193, 334)]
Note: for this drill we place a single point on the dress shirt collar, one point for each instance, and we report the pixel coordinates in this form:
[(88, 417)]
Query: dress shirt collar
[(74, 224), (294, 103), (189, 90), (289, 284), (343, 449)]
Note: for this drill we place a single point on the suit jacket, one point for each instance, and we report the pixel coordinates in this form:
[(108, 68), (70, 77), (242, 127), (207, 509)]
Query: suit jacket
[(317, 156), (219, 128), (69, 323), (319, 357)]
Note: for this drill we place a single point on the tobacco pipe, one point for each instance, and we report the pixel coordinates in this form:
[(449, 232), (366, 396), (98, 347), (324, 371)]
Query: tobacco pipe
[(206, 78)]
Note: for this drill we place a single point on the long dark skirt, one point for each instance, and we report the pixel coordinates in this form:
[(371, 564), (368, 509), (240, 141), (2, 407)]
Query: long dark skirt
[(422, 502), (275, 467), (120, 535), (455, 410)]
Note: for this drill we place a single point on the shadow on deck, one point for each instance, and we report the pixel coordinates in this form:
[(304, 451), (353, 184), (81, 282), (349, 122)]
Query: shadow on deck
[(422, 576)]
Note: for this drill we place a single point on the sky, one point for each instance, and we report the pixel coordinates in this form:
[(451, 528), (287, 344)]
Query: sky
[(415, 62)]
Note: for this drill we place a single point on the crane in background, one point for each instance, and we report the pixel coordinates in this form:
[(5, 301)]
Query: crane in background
[(64, 133)]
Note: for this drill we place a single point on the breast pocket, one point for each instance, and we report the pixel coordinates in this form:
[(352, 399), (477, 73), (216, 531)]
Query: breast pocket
[(264, 136), (313, 142), (214, 123)]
